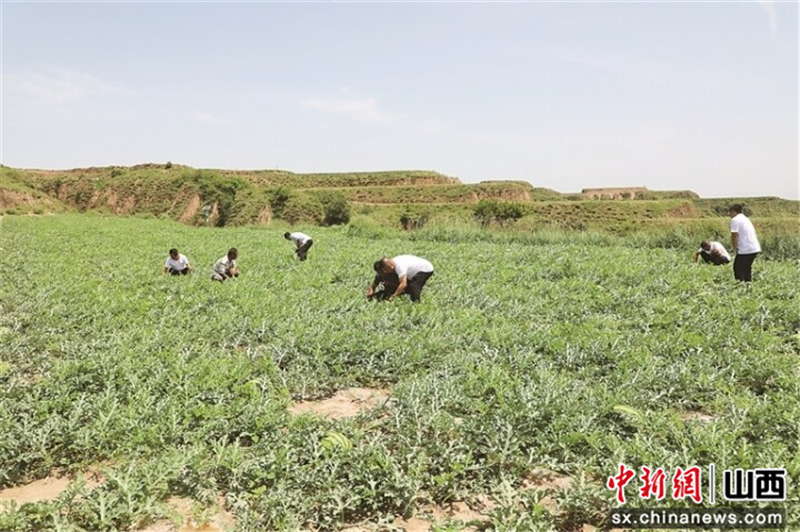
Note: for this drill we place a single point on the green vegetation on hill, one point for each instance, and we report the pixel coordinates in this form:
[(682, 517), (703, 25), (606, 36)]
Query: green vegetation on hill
[(17, 195), (506, 190), (272, 178), (401, 199)]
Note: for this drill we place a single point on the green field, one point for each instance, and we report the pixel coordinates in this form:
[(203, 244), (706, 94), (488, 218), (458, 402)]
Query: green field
[(563, 353)]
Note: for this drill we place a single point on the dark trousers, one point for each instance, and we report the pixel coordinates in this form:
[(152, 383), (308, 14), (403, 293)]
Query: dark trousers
[(173, 271), (716, 260), (391, 282), (742, 267), (415, 285), (302, 251)]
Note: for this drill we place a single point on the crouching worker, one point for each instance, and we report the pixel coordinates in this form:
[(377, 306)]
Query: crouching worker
[(302, 241), (177, 264), (404, 274), (712, 253), (225, 267)]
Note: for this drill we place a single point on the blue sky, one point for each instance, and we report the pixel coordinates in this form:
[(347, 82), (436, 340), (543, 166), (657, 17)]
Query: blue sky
[(700, 96)]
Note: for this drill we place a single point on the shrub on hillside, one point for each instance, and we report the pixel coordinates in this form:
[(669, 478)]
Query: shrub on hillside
[(278, 198), (724, 210), (362, 226), (336, 208), (410, 220), (502, 213), (303, 208), (222, 190)]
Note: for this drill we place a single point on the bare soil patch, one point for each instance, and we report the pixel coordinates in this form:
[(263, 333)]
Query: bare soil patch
[(686, 210), (541, 479), (345, 403), (265, 215), (46, 489), (457, 511), (187, 519), (426, 517), (12, 198), (191, 210), (128, 205), (696, 415)]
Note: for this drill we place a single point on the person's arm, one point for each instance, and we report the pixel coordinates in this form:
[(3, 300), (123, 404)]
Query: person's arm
[(696, 255), (735, 234), (373, 286), (400, 288), (166, 268)]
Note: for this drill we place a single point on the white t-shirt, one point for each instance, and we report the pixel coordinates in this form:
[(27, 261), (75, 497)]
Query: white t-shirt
[(299, 238), (410, 266), (716, 246), (179, 265), (748, 241), (223, 265)]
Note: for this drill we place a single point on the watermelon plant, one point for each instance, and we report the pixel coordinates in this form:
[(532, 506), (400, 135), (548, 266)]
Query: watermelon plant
[(525, 355)]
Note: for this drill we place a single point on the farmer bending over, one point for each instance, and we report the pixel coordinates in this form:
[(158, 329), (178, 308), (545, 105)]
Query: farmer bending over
[(225, 267), (302, 241), (712, 253), (404, 274)]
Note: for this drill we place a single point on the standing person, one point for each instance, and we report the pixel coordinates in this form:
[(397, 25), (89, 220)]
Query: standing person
[(712, 253), (177, 264), (225, 267), (302, 241), (744, 242), (412, 274)]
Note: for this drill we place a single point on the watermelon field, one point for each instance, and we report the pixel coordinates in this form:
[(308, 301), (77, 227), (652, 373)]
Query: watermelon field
[(503, 401)]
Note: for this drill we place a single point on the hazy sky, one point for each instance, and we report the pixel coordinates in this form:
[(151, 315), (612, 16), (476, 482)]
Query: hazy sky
[(700, 96)]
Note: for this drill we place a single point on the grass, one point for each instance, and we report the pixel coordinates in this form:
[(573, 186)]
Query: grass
[(522, 354)]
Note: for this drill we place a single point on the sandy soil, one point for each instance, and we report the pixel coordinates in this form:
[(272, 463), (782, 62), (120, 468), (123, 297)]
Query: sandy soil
[(191, 210), (46, 489), (345, 403), (217, 520), (694, 415)]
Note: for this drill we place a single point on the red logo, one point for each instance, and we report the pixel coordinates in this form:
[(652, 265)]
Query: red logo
[(687, 484), (652, 483), (619, 481)]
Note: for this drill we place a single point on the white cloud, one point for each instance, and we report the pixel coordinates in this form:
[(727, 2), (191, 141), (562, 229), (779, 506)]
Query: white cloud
[(363, 109), (769, 8), (56, 86), (204, 118)]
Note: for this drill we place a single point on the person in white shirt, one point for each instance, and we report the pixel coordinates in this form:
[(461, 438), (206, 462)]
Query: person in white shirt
[(177, 264), (225, 267), (302, 241), (745, 244), (712, 253), (404, 274)]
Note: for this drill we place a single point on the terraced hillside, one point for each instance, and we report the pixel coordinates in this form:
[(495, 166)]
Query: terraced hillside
[(405, 199)]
